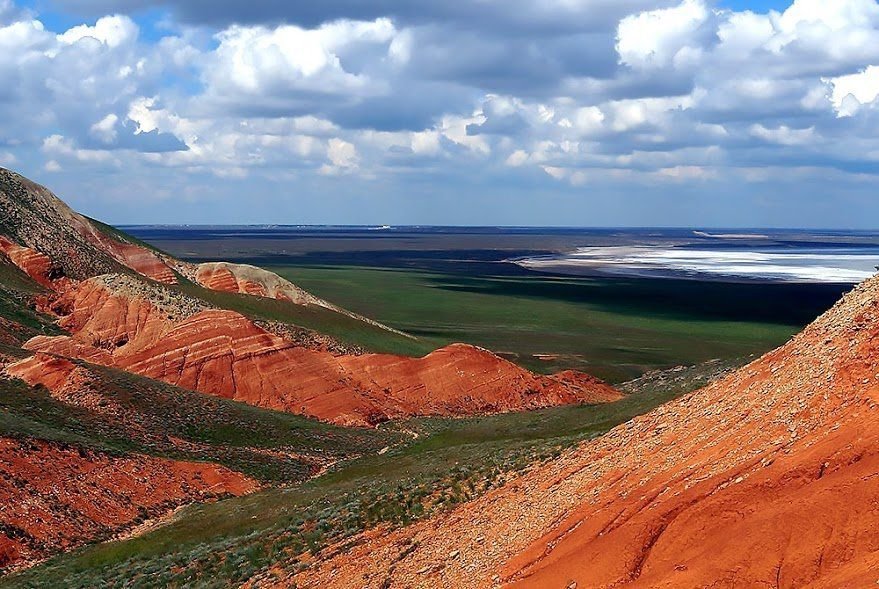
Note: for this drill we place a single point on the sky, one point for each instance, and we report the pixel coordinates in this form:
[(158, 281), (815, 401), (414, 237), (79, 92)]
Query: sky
[(695, 113)]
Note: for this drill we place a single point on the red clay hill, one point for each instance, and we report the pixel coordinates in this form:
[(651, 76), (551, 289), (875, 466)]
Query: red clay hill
[(96, 288), (117, 321), (59, 497), (767, 478), (49, 241)]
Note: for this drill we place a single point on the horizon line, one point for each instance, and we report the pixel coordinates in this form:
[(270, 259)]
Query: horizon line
[(376, 226)]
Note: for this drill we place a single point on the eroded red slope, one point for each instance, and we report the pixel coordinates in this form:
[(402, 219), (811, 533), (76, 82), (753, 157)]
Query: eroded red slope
[(244, 279), (35, 219), (35, 264), (57, 497), (251, 280), (224, 353), (769, 478), (136, 257)]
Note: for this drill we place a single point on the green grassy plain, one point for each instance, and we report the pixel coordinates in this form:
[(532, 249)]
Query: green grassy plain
[(615, 329)]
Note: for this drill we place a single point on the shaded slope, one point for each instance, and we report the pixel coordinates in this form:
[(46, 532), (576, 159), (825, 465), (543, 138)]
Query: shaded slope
[(766, 478), (19, 321), (112, 410), (130, 448)]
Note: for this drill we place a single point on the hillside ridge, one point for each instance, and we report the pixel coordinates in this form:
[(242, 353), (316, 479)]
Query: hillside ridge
[(766, 477)]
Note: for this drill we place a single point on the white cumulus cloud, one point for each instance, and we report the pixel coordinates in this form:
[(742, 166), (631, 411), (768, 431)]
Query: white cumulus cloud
[(260, 61), (662, 37), (109, 30), (849, 93)]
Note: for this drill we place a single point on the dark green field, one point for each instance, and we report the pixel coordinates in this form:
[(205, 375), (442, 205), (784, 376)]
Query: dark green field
[(615, 329)]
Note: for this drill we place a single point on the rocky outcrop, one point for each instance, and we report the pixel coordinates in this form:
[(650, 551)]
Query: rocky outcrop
[(251, 280), (223, 353), (138, 258), (58, 496), (765, 478), (53, 372), (308, 338), (246, 279)]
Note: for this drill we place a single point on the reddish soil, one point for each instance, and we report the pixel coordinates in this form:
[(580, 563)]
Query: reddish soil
[(767, 478), (44, 271), (36, 265), (139, 259), (216, 277), (52, 372), (34, 218), (252, 280), (246, 279), (9, 332), (61, 497), (223, 353)]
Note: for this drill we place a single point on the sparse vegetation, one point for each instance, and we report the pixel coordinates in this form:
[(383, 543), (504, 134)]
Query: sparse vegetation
[(340, 327), (16, 292)]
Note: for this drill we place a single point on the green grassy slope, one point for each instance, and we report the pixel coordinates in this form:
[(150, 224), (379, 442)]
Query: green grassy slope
[(142, 415), (341, 327)]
